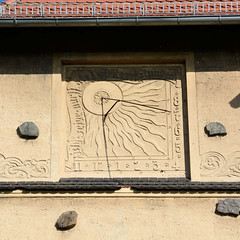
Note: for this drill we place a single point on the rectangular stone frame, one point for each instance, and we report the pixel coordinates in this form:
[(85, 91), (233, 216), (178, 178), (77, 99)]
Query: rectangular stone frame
[(58, 98)]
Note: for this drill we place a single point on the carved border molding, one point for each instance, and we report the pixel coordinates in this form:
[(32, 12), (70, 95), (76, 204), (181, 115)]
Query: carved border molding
[(214, 164), (60, 62), (12, 167)]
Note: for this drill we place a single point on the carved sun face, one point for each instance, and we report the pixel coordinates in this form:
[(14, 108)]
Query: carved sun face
[(132, 114)]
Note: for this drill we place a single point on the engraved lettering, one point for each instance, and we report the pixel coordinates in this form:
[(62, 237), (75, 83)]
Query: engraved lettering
[(117, 164), (101, 74), (77, 166), (177, 148), (136, 164), (155, 166), (177, 128), (99, 166)]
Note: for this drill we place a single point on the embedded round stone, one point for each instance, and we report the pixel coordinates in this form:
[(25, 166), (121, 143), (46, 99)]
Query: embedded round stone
[(100, 97), (229, 206), (67, 220), (215, 128), (28, 130)]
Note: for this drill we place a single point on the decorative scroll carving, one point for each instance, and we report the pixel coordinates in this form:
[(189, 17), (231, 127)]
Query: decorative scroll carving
[(213, 164), (135, 119), (12, 167)]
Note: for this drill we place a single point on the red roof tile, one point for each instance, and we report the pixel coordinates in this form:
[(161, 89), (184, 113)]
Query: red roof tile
[(116, 8)]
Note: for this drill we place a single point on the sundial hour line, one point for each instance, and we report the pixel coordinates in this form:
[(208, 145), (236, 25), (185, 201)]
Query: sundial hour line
[(138, 104), (105, 115), (104, 138)]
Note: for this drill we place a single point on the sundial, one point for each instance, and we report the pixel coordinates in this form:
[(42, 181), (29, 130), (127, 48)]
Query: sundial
[(124, 121), (101, 93)]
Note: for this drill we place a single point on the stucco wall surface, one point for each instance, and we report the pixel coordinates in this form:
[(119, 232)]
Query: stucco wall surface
[(25, 96), (116, 218), (31, 90), (218, 100)]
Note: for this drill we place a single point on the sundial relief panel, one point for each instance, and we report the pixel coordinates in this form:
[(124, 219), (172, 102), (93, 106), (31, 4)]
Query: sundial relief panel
[(124, 121)]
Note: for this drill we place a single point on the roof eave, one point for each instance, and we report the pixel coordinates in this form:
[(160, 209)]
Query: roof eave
[(118, 21)]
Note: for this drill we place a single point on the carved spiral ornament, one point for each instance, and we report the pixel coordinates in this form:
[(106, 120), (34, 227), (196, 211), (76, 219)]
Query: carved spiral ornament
[(214, 164), (234, 167)]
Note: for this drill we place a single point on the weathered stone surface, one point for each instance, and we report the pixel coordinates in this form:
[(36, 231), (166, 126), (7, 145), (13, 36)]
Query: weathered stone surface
[(67, 220), (215, 128), (28, 130), (229, 206)]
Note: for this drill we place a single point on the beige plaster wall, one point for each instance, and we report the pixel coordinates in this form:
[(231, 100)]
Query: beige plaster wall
[(25, 98), (215, 91), (116, 218), (31, 90), (218, 100), (25, 95)]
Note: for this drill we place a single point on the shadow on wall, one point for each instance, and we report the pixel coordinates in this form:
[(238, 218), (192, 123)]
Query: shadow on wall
[(235, 102)]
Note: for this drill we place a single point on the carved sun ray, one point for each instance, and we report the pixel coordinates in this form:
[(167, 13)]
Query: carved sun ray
[(124, 120), (135, 122)]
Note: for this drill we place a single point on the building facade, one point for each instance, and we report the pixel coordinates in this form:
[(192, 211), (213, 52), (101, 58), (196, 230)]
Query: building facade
[(131, 121)]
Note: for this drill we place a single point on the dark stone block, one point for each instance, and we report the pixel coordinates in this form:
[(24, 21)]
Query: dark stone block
[(228, 206), (112, 185), (215, 128), (67, 220), (28, 130), (72, 179)]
